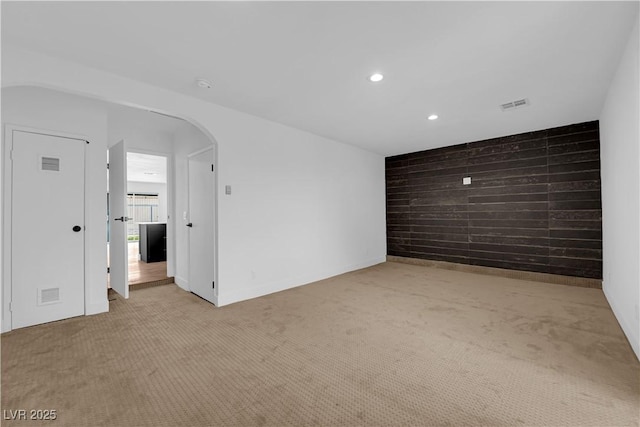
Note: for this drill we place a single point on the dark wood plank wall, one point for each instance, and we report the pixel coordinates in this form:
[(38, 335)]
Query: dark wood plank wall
[(534, 202)]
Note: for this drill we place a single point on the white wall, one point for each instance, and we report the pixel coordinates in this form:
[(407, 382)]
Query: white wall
[(620, 156), (154, 188), (139, 132), (303, 207), (52, 111)]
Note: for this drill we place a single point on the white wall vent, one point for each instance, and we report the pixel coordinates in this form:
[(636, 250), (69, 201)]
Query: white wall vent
[(50, 164), (514, 104), (48, 296)]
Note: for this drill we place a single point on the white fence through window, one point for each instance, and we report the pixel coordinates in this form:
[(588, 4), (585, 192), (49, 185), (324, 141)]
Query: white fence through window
[(140, 208)]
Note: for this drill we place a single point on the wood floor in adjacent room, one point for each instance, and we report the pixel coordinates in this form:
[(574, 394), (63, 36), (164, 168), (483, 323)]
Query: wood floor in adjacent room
[(144, 272), (393, 344)]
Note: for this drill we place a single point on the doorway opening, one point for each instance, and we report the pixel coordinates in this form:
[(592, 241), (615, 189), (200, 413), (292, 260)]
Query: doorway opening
[(147, 213)]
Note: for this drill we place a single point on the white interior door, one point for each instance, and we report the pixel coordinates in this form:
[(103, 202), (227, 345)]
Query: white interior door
[(47, 214), (201, 224), (118, 249)]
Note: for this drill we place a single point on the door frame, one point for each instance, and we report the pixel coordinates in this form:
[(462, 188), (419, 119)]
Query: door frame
[(214, 156), (7, 224)]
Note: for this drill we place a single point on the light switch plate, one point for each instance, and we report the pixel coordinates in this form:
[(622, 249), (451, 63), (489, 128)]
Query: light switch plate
[(466, 180), (227, 189)]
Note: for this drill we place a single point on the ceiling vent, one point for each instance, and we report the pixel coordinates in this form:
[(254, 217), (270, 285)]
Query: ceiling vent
[(515, 104)]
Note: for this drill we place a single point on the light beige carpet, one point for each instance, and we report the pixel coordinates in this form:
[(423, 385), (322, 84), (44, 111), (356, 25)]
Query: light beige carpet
[(393, 344)]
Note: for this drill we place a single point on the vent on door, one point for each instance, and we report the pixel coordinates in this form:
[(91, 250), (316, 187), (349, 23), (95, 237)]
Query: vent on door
[(48, 296), (50, 164)]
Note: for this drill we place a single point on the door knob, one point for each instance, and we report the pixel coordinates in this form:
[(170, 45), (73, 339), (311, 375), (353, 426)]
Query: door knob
[(190, 224), (122, 218), (76, 228)]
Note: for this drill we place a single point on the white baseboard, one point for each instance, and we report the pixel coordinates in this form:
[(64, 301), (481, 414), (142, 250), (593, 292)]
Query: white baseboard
[(183, 283), (90, 310), (629, 331), (225, 298), (97, 308)]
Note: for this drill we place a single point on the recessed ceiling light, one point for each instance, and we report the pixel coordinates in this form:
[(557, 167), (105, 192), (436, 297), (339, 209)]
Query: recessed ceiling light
[(376, 77), (432, 117), (203, 83)]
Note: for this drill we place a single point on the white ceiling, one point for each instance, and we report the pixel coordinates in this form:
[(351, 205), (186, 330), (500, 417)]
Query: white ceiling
[(146, 168), (305, 64)]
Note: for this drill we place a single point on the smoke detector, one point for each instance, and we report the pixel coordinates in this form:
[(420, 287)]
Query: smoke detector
[(203, 83), (515, 104)]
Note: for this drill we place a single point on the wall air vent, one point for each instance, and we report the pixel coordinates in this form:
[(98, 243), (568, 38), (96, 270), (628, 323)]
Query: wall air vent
[(48, 296), (514, 104), (50, 164)]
